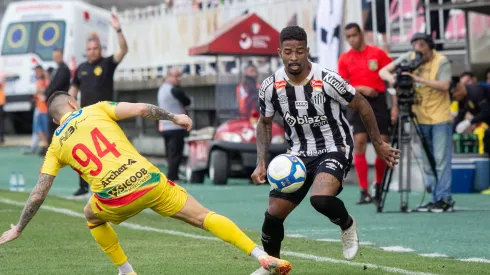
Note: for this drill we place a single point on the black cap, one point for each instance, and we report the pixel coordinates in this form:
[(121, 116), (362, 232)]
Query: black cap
[(420, 35)]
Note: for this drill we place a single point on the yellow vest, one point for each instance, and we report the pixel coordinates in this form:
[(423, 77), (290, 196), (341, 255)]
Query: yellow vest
[(432, 106)]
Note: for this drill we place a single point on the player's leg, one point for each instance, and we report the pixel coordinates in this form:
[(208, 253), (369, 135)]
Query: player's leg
[(225, 229), (383, 119), (107, 240), (327, 185), (360, 164)]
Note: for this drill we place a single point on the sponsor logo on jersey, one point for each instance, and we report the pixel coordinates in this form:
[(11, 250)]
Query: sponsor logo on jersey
[(301, 105), (112, 175), (283, 99), (281, 84), (70, 131), (316, 84), (265, 84), (130, 184), (70, 118), (336, 83), (315, 121)]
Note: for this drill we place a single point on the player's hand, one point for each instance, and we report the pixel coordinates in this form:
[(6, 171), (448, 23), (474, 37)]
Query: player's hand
[(259, 175), (387, 153), (394, 114), (183, 121), (115, 22), (10, 235)]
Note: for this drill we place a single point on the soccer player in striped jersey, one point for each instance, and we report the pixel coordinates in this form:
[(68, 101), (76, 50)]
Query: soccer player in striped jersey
[(309, 98), (124, 183)]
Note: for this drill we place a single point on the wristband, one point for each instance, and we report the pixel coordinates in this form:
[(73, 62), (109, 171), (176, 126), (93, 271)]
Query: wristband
[(118, 30)]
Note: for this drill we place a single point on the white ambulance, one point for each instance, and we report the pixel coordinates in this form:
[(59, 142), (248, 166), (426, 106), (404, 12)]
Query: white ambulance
[(30, 31)]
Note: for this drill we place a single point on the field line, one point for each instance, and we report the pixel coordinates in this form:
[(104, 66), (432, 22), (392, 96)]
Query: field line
[(134, 226)]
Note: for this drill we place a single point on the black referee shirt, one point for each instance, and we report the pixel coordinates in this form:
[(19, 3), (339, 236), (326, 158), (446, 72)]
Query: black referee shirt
[(96, 80)]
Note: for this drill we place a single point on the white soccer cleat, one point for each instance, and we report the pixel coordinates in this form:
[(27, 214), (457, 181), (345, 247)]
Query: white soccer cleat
[(263, 271), (350, 239), (131, 273)]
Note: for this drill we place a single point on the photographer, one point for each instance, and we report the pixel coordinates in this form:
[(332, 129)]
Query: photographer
[(474, 99), (431, 75)]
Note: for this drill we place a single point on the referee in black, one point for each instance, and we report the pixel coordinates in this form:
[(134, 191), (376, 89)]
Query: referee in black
[(95, 78)]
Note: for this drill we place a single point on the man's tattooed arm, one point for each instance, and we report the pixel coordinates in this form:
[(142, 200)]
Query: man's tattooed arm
[(35, 200), (157, 113), (264, 137), (361, 105)]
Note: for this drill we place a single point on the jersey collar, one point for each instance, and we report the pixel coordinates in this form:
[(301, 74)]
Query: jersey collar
[(64, 117), (306, 80)]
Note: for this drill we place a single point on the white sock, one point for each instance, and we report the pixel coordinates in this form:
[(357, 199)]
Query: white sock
[(125, 268), (257, 252)]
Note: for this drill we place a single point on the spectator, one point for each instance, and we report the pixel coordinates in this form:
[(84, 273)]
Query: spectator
[(95, 78), (59, 81), (431, 84), (172, 98), (486, 82), (360, 66), (41, 110), (247, 92), (2, 103)]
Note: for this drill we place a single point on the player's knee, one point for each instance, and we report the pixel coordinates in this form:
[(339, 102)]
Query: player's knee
[(323, 204)]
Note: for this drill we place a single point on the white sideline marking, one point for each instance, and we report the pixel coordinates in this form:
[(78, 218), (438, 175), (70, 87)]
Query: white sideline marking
[(475, 260), (397, 249), (433, 255), (295, 236), (72, 213)]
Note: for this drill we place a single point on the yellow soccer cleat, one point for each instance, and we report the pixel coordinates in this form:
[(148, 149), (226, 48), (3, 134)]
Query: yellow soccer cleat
[(276, 265), (486, 192), (130, 273)]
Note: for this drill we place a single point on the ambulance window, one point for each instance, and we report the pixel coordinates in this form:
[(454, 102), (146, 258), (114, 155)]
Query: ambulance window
[(17, 39), (50, 35)]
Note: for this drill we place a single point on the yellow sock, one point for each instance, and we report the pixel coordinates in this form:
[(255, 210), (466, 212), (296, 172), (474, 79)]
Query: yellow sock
[(107, 239), (228, 231)]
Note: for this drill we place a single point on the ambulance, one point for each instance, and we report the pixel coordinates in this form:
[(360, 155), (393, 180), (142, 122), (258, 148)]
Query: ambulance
[(29, 32)]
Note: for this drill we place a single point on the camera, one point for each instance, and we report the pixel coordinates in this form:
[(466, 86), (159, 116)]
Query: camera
[(404, 83)]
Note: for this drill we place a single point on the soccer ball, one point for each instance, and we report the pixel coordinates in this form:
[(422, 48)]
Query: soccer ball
[(286, 173)]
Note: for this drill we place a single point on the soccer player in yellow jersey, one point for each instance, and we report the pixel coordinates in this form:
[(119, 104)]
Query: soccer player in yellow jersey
[(123, 182)]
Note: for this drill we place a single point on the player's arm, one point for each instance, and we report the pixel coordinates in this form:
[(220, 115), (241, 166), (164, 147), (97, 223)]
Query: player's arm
[(36, 199), (264, 129), (361, 105), (125, 110)]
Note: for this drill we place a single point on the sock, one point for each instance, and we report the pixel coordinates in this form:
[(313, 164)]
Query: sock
[(360, 163), (125, 268), (257, 252), (107, 239), (379, 166), (228, 231), (333, 208), (272, 234)]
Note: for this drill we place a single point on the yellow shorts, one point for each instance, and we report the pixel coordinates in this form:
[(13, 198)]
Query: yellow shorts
[(166, 199)]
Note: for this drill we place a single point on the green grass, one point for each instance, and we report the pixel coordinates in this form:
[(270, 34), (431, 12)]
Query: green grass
[(56, 243)]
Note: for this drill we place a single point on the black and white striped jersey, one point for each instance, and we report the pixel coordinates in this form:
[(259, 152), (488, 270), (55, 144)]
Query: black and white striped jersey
[(313, 119)]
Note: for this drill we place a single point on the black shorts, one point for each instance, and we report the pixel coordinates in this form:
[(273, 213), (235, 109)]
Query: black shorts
[(380, 15), (381, 112), (333, 163)]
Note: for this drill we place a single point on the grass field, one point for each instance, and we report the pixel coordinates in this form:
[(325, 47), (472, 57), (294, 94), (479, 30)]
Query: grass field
[(58, 242)]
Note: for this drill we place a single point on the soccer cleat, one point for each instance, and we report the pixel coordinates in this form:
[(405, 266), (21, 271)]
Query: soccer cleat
[(365, 198), (425, 207), (262, 271), (130, 273), (275, 265), (486, 192), (442, 206), (350, 239)]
